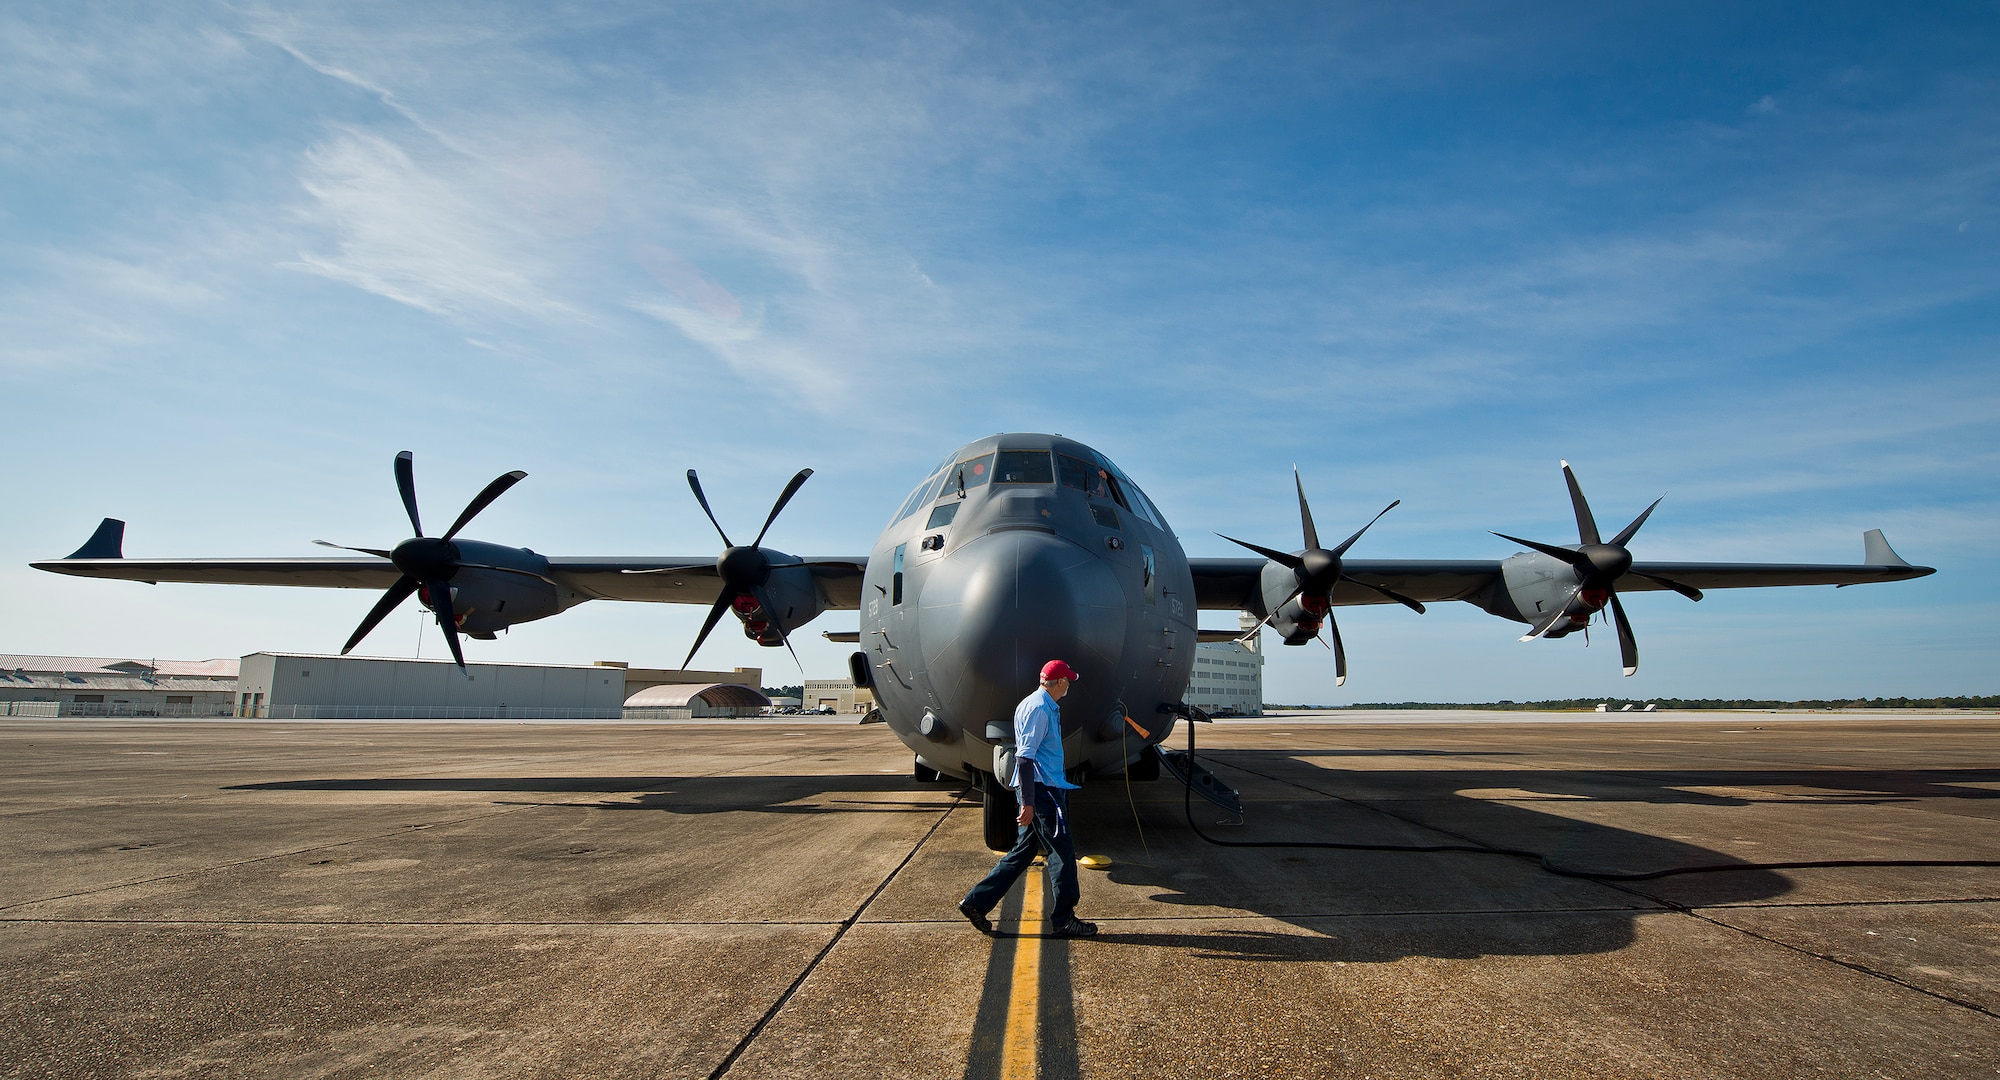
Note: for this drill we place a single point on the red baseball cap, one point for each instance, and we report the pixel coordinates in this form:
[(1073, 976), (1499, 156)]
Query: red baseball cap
[(1056, 669)]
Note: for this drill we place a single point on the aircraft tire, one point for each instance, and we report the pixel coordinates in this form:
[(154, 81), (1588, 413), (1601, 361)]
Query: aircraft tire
[(1000, 808), (925, 774)]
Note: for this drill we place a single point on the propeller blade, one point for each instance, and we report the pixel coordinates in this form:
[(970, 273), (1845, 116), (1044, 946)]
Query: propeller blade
[(1628, 647), (406, 485), (395, 595), (1626, 533), (778, 624), (484, 499), (722, 602), (791, 489), (1550, 620), (695, 483), (1574, 558), (1349, 542), (377, 552), (1284, 559), (1339, 653), (1305, 512), (440, 592), (1688, 591), (1390, 593), (1586, 525)]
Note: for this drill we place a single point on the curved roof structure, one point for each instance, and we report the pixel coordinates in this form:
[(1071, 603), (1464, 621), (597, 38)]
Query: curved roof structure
[(679, 695)]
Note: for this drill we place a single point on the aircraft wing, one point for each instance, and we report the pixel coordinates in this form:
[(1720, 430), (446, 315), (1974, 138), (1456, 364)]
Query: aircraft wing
[(1231, 584), (1757, 575), (693, 580), (348, 573), (602, 578)]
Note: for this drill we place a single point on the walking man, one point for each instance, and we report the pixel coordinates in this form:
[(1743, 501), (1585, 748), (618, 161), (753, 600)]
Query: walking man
[(1043, 792)]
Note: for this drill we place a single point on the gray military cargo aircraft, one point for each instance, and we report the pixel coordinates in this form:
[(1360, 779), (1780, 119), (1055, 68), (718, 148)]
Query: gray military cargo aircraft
[(1015, 549)]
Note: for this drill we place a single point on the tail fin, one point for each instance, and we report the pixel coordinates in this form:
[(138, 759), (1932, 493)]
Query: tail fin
[(108, 542), (1875, 550)]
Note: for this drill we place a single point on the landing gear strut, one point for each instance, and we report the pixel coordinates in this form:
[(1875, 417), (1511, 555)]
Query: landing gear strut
[(1000, 810)]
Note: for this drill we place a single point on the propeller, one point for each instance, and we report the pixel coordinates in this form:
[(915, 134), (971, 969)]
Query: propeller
[(427, 563), (1599, 564), (1318, 570), (743, 570)]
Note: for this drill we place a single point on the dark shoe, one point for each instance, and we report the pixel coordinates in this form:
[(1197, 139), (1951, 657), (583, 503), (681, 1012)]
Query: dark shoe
[(1074, 928), (978, 919)]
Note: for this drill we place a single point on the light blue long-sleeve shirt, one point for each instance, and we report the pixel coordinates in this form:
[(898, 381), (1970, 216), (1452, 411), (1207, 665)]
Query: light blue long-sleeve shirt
[(1038, 738)]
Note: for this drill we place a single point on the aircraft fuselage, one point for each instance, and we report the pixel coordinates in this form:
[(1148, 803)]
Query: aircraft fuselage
[(1019, 549)]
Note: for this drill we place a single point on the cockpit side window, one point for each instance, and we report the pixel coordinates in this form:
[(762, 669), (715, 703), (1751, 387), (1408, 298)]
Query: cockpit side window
[(1106, 485), (1142, 505), (1023, 467), (941, 515), (967, 475), (916, 499), (1129, 496), (932, 489)]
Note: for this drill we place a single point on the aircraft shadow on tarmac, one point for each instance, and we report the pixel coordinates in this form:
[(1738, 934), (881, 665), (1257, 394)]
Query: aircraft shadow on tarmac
[(1354, 906), (1367, 907), (840, 794)]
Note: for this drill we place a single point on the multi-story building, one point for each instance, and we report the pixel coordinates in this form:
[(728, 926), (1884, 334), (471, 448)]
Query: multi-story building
[(1228, 678)]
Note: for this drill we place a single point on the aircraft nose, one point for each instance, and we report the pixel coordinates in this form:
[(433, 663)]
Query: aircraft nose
[(998, 608)]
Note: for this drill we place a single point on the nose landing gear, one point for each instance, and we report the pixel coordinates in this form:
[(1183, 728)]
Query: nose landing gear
[(999, 809)]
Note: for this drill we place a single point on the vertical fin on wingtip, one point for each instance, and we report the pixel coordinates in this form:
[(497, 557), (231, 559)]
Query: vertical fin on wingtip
[(1875, 550), (108, 542)]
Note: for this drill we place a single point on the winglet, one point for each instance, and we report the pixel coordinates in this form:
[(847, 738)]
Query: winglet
[(108, 542), (1875, 550)]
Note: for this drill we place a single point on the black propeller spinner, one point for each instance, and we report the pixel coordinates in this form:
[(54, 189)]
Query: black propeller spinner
[(744, 571), (1318, 570), (1598, 565), (428, 563)]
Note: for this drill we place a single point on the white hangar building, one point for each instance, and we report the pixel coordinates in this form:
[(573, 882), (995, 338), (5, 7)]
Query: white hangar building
[(32, 685), (303, 686)]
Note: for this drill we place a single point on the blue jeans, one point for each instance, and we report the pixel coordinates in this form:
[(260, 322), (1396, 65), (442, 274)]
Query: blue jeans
[(1047, 831)]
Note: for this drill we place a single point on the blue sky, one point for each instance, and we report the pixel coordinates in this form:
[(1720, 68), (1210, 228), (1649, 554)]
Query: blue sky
[(1744, 258)]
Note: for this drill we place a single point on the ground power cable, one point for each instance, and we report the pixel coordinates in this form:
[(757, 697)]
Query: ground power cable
[(1542, 861)]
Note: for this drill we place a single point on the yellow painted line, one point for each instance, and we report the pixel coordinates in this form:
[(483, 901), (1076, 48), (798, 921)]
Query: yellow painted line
[(1017, 1049)]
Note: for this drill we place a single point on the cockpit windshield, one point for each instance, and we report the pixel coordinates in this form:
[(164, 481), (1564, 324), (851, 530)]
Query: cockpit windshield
[(1023, 467), (966, 475)]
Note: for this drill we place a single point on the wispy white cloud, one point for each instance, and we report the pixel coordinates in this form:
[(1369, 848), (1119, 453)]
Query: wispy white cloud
[(407, 231)]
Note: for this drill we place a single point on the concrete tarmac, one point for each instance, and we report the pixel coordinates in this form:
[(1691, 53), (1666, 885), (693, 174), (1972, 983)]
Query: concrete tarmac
[(775, 900)]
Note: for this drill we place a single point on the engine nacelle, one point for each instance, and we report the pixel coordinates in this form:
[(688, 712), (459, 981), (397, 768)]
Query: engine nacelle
[(488, 601), (1531, 584), (1297, 620), (794, 598)]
